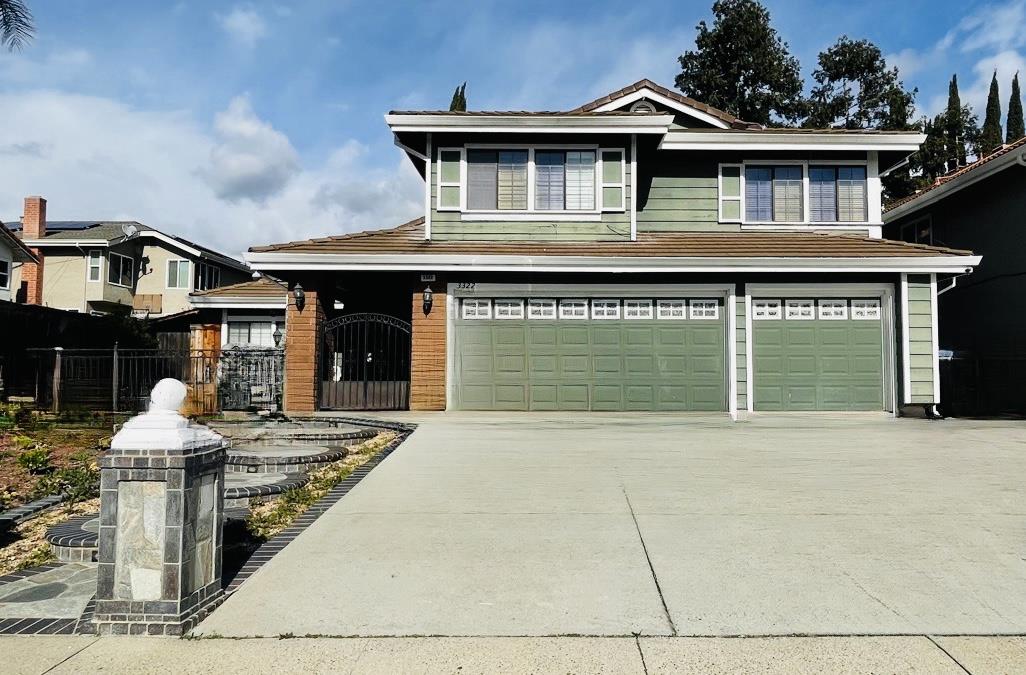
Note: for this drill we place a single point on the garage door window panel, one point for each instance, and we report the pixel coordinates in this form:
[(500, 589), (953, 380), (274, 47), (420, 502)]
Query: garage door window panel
[(637, 309), (833, 310), (509, 309), (605, 309), (865, 310), (541, 309), (800, 310), (705, 309), (765, 310), (674, 309), (477, 309), (573, 309)]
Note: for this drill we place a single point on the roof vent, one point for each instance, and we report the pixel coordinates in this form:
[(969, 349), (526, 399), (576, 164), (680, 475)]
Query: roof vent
[(643, 106)]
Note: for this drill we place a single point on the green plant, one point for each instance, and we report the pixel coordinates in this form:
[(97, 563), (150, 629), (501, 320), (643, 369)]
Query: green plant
[(35, 460), (77, 482)]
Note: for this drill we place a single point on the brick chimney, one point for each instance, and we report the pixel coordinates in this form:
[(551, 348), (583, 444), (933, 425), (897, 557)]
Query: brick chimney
[(33, 226)]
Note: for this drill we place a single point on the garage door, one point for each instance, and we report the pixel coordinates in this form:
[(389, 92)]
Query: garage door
[(818, 354), (590, 354)]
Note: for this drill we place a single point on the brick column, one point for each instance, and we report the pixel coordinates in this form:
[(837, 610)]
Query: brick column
[(33, 224), (427, 363), (304, 335)]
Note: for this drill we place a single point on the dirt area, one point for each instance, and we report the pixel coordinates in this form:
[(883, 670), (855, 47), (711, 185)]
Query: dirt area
[(26, 545)]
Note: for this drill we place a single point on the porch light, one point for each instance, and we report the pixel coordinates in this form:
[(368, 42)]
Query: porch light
[(277, 335), (429, 298), (300, 296)]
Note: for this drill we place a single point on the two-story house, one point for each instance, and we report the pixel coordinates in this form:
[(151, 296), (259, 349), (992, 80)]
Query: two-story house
[(643, 251), (13, 254), (108, 267), (982, 207)]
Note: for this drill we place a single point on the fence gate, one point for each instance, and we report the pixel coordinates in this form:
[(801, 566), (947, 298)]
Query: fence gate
[(365, 363)]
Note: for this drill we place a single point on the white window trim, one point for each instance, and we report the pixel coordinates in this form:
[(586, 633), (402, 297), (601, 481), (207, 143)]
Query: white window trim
[(531, 213), (806, 216), (10, 269), (693, 312), (547, 303), (666, 303), (120, 268), (872, 307), (639, 303), (567, 302), (740, 199), (773, 309), (798, 304), (461, 181), (513, 302), (188, 276), (831, 304), (477, 303), (622, 206), (606, 304), (89, 266)]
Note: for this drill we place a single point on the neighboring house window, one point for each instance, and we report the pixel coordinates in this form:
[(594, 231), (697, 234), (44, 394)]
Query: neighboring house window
[(765, 310), (564, 181), (705, 309), (605, 309), (573, 309), (800, 310), (5, 274), (833, 309), (253, 333), (95, 265), (177, 273), (837, 194), (497, 180), (918, 231), (207, 277), (671, 309), (538, 308), (865, 310), (637, 309), (773, 194), (120, 269), (477, 309), (509, 309)]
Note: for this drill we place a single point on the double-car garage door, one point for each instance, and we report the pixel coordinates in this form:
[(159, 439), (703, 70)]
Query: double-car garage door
[(613, 353)]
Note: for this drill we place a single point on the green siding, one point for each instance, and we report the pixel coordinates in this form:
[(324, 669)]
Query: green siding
[(678, 193), (590, 365), (742, 352), (818, 365), (920, 338)]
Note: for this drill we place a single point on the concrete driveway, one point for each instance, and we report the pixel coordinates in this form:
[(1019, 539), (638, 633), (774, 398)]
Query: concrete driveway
[(604, 525)]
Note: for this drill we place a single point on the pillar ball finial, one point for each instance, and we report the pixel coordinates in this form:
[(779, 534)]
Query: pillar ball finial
[(168, 395)]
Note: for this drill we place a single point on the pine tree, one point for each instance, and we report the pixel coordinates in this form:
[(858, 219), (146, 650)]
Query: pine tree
[(459, 99), (953, 127), (990, 138), (1015, 127)]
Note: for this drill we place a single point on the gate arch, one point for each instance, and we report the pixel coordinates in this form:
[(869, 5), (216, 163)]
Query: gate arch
[(365, 363)]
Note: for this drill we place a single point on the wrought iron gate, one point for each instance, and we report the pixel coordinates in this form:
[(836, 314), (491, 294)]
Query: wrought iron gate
[(365, 363)]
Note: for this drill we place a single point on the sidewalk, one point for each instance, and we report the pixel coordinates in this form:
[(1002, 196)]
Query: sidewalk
[(903, 654)]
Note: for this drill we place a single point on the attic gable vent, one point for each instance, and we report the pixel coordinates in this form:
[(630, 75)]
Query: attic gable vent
[(643, 106)]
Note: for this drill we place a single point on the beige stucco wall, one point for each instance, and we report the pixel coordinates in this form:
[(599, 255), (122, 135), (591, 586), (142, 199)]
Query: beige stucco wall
[(154, 279)]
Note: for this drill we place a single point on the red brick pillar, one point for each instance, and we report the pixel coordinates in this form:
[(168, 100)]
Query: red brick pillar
[(427, 364), (33, 226), (304, 335)]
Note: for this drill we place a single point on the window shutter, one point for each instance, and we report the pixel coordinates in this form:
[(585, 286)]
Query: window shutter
[(512, 180), (482, 180), (851, 194), (613, 180), (580, 180), (548, 180), (822, 194), (730, 193), (758, 194)]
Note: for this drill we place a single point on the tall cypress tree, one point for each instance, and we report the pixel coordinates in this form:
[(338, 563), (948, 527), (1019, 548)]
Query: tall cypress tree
[(991, 136), (459, 99), (953, 123), (1015, 127)]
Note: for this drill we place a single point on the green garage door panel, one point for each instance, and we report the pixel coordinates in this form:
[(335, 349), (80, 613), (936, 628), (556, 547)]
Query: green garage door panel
[(818, 365), (590, 365)]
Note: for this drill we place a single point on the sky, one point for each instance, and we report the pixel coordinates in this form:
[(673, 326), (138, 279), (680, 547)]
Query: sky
[(237, 124)]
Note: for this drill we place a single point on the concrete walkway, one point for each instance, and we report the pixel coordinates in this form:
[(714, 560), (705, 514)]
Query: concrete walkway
[(658, 525), (770, 656)]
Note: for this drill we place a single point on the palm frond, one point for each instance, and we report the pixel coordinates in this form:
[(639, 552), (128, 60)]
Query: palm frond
[(16, 27)]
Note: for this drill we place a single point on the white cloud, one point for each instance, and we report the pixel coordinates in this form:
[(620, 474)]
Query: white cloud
[(103, 159), (244, 24), (991, 27), (252, 160)]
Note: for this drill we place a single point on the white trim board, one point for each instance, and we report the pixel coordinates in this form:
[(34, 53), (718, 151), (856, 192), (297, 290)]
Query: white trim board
[(776, 140), (906, 348), (935, 338)]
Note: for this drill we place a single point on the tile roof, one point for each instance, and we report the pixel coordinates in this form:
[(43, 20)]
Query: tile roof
[(525, 113), (264, 287), (409, 239), (958, 173), (668, 93)]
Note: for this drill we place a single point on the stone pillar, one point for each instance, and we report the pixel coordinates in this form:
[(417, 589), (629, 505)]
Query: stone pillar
[(304, 335), (161, 504), (428, 350)]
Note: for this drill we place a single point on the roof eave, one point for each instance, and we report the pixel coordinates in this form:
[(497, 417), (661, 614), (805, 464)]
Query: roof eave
[(636, 124), (763, 140)]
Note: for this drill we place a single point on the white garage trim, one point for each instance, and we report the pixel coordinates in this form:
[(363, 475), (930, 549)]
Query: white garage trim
[(749, 356), (885, 292), (731, 309), (936, 340), (906, 349)]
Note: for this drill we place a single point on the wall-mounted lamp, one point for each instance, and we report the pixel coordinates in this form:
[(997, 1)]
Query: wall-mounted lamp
[(300, 295), (429, 298), (277, 335)]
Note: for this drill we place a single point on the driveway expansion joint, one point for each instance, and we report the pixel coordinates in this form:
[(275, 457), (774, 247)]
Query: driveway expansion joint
[(651, 568)]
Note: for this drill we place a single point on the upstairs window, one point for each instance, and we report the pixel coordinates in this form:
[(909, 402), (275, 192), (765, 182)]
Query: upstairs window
[(5, 274), (207, 277), (95, 272), (564, 180), (773, 194), (177, 273), (120, 270), (837, 194), (497, 180)]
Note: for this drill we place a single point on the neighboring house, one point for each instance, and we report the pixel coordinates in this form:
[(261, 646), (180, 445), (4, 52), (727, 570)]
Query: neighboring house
[(641, 252), (982, 316), (249, 314), (107, 267), (13, 254)]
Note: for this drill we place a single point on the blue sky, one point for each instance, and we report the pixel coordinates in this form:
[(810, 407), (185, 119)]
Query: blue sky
[(240, 123)]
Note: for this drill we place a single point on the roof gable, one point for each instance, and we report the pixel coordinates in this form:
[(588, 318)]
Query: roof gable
[(648, 90)]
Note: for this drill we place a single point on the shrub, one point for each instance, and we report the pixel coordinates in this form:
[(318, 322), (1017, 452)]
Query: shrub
[(77, 482), (35, 460)]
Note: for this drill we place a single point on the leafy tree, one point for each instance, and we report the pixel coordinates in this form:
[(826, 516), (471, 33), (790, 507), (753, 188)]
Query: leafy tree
[(990, 136), (741, 65), (1015, 127), (855, 89), (459, 99), (16, 26)]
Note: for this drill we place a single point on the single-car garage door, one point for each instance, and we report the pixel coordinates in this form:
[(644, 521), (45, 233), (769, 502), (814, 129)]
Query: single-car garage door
[(590, 354), (824, 354)]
